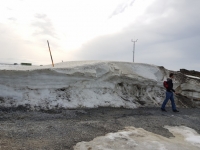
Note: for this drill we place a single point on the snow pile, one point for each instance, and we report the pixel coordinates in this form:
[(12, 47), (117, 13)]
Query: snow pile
[(89, 84), (138, 139), (188, 134), (193, 77), (190, 88)]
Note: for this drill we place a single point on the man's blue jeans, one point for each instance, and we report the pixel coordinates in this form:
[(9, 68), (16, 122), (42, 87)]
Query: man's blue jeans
[(169, 95)]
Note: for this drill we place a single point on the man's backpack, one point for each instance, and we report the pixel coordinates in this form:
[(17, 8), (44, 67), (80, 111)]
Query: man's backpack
[(165, 84)]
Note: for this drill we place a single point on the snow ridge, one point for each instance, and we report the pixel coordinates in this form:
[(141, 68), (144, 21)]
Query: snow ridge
[(86, 84)]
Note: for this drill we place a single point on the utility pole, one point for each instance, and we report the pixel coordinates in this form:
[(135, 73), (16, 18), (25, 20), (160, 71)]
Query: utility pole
[(133, 47), (50, 53)]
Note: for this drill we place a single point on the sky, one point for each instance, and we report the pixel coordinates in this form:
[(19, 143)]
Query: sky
[(168, 31)]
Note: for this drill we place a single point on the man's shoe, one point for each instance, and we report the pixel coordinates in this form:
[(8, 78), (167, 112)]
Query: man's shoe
[(163, 109), (175, 110)]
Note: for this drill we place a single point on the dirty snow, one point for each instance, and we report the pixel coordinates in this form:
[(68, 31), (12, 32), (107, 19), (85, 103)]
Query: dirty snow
[(89, 84), (140, 139)]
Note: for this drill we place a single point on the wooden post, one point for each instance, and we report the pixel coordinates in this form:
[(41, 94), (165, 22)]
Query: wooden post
[(50, 53)]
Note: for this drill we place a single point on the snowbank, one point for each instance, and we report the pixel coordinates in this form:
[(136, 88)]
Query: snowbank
[(138, 139), (89, 84), (193, 76)]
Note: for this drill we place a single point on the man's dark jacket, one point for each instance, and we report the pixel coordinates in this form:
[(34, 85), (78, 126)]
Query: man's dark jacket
[(170, 85)]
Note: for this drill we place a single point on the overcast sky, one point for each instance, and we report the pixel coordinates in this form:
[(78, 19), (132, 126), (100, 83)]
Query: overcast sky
[(168, 31)]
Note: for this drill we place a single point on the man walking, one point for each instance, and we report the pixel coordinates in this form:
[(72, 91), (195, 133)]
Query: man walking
[(170, 94)]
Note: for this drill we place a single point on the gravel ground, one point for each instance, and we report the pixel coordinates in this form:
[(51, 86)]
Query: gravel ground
[(21, 129)]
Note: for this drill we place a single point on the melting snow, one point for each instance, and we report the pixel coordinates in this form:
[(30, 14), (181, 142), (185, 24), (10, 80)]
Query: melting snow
[(193, 76), (139, 139), (86, 84)]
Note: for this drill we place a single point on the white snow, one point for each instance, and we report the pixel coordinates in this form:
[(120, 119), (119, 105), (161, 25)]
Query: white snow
[(148, 71), (192, 76), (189, 134), (85, 84), (139, 139), (79, 84), (95, 67)]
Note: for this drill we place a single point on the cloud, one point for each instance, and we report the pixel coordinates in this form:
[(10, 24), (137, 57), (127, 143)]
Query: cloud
[(168, 31), (16, 49), (12, 19), (12, 46), (122, 7), (44, 26), (9, 8), (167, 37)]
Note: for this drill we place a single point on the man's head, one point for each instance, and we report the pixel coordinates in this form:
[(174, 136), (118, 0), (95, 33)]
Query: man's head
[(171, 75)]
